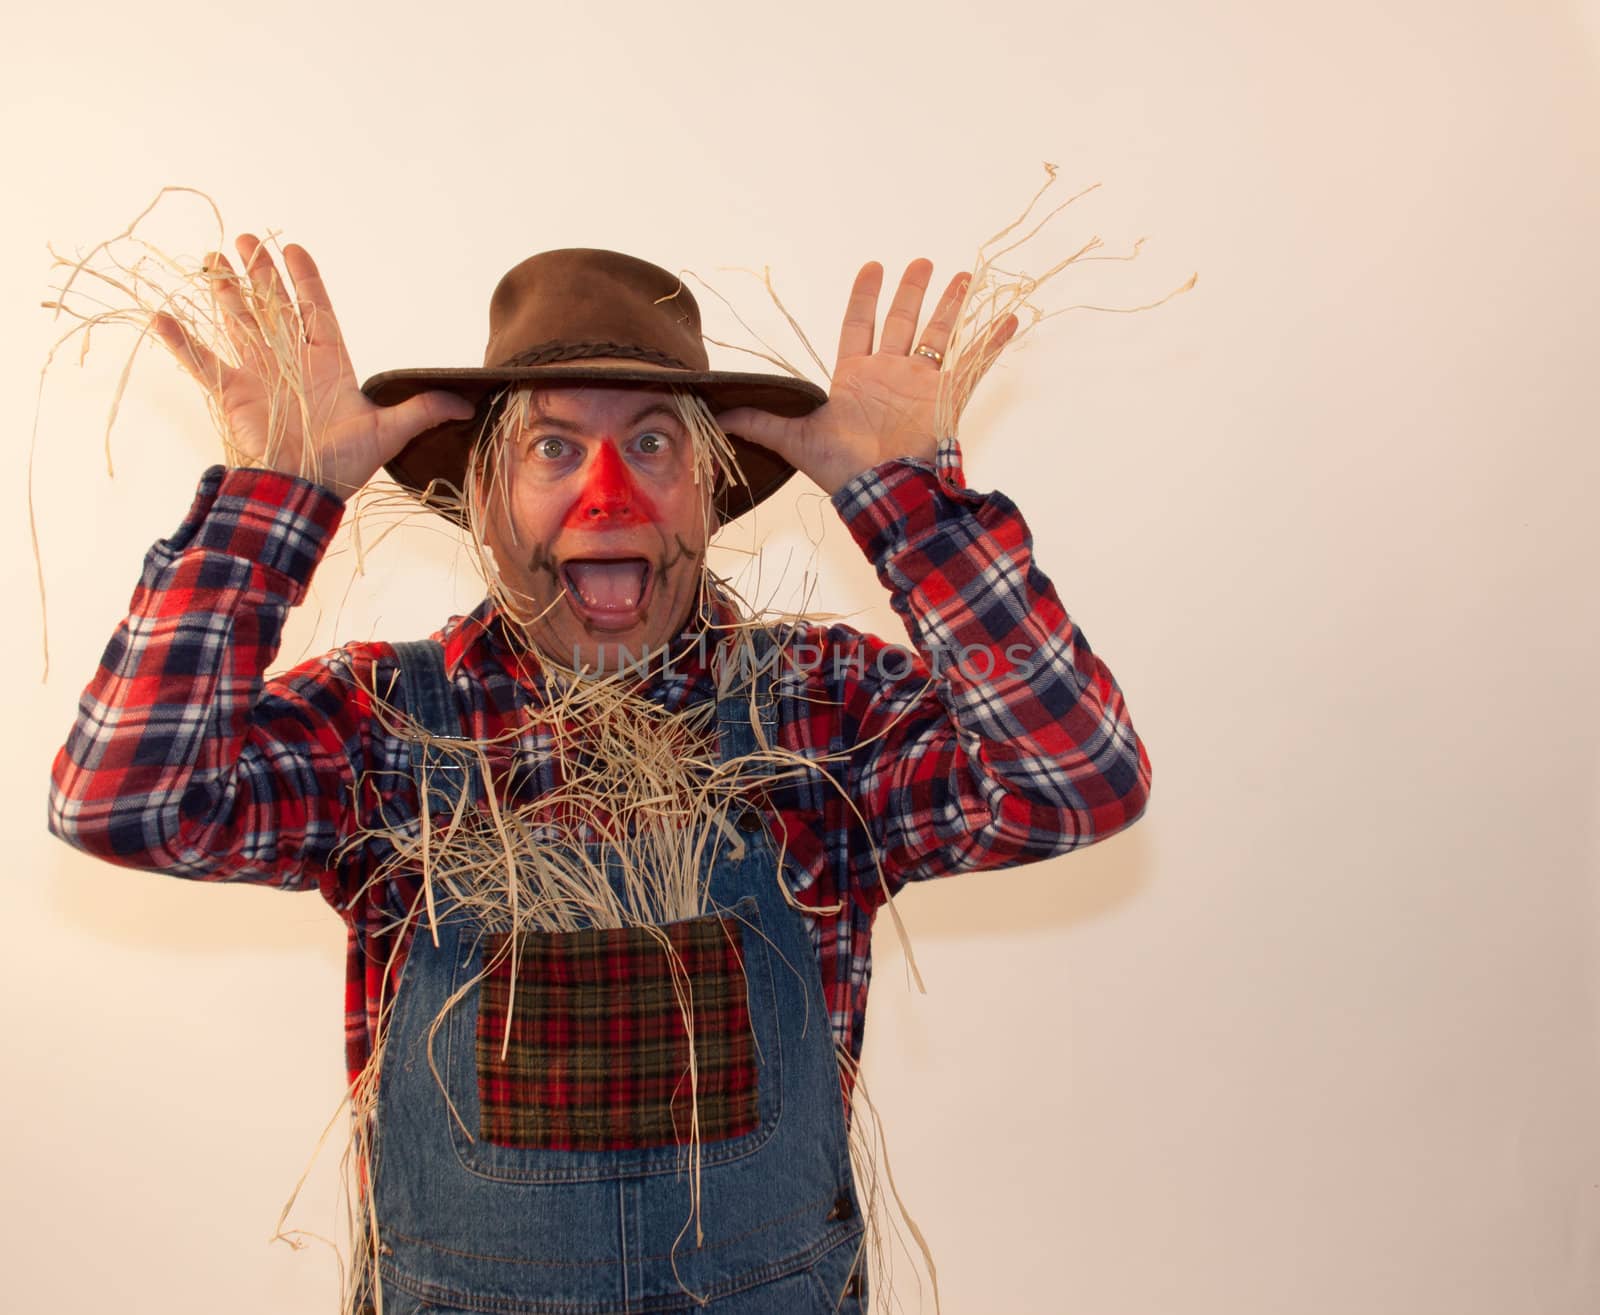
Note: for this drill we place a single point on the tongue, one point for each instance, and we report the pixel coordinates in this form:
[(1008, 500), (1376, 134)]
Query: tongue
[(608, 586)]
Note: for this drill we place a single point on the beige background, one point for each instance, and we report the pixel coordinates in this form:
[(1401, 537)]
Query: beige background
[(1319, 1034)]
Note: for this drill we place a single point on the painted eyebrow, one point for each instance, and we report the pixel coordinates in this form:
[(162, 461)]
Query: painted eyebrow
[(572, 426)]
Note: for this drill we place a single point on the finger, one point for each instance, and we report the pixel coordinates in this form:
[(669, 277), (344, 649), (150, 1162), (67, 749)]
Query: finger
[(200, 364), (990, 349), (776, 433), (311, 294), (900, 324), (224, 285), (269, 300), (861, 314), (938, 331), (237, 321), (399, 424)]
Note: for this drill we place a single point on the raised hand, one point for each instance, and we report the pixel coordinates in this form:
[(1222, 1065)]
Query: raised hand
[(292, 402), (882, 402)]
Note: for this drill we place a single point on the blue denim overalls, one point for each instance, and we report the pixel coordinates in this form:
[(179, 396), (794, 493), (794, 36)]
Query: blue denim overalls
[(466, 1224)]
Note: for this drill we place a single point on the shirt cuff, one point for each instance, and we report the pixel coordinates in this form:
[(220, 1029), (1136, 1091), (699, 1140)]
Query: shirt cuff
[(896, 503), (261, 516)]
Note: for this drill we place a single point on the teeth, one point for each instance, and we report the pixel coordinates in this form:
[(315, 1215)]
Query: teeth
[(608, 586)]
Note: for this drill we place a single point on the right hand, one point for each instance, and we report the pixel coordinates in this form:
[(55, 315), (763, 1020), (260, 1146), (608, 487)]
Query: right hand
[(292, 403)]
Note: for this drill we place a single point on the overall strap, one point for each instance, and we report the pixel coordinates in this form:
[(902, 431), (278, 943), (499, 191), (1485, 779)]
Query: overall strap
[(424, 693), (752, 685)]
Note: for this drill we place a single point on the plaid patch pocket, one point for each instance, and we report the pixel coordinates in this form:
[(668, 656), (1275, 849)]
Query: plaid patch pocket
[(585, 1042)]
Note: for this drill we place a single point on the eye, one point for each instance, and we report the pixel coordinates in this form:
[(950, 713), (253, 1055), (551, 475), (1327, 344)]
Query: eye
[(549, 448), (653, 444)]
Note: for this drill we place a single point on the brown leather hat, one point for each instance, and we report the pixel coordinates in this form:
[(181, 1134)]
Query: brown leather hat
[(582, 315)]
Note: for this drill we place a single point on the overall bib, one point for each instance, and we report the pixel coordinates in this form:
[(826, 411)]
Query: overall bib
[(556, 1180)]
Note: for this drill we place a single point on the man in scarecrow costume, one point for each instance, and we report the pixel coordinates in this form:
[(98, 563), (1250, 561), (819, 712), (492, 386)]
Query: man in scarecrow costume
[(610, 1097)]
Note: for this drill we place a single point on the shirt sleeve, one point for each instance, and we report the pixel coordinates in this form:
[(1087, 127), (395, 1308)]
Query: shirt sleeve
[(1003, 738), (183, 759)]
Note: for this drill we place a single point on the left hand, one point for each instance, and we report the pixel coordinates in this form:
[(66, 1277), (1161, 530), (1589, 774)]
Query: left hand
[(882, 402)]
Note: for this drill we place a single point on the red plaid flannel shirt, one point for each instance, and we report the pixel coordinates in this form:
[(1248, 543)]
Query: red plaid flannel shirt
[(186, 759)]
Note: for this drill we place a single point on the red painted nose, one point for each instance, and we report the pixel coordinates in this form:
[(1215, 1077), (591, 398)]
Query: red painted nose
[(608, 497)]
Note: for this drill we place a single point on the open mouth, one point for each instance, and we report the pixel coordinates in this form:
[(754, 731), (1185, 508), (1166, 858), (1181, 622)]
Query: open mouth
[(608, 591)]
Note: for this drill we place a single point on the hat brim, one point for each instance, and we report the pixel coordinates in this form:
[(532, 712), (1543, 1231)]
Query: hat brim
[(438, 456)]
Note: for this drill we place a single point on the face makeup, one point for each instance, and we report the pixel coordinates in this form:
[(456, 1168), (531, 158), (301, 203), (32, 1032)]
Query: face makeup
[(601, 533)]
